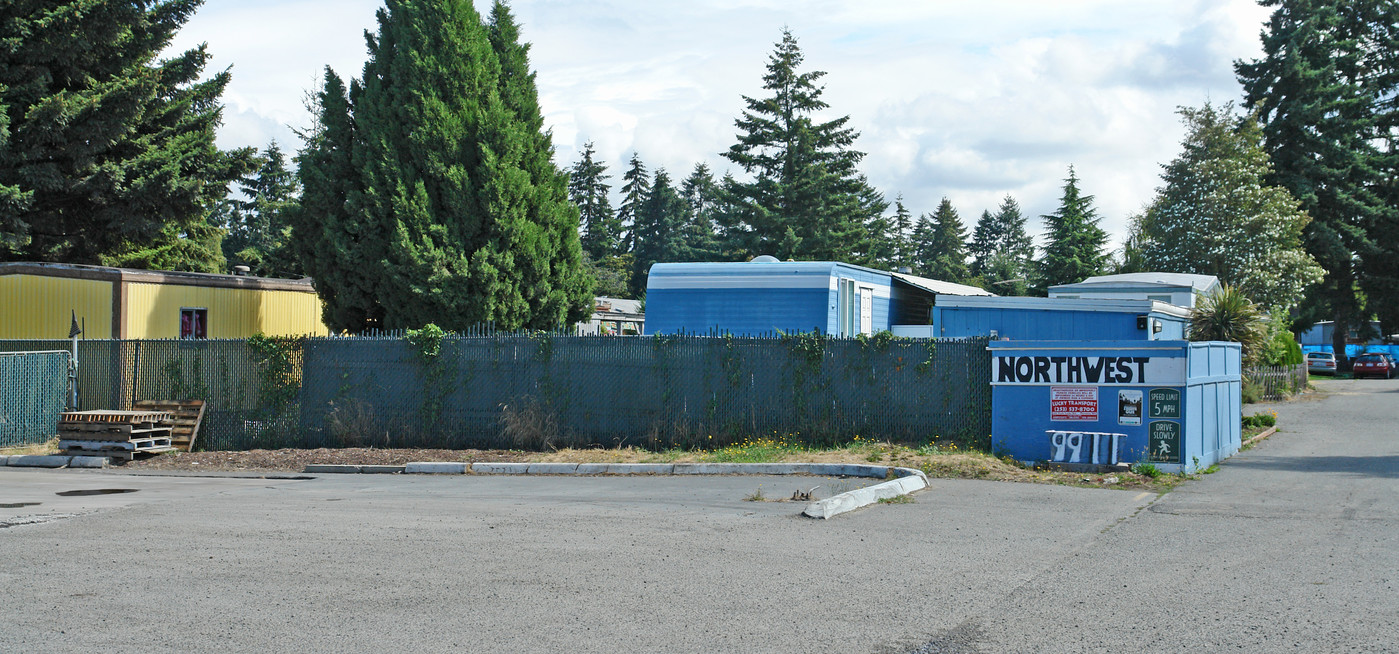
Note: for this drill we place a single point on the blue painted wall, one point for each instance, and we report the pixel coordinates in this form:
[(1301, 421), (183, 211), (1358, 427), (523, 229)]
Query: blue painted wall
[(1039, 324), (1209, 387), (756, 298)]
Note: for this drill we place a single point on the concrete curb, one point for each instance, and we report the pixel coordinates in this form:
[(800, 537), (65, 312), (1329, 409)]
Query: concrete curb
[(1266, 433), (39, 461), (905, 480)]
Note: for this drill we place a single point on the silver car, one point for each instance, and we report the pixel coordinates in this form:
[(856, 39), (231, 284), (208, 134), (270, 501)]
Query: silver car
[(1321, 363)]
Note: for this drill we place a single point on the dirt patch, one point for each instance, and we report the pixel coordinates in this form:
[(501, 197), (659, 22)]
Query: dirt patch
[(943, 465), (297, 460)]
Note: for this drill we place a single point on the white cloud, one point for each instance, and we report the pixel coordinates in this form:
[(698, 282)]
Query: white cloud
[(966, 100)]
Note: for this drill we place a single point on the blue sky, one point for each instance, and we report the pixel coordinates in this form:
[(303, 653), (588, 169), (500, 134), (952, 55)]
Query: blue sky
[(968, 100)]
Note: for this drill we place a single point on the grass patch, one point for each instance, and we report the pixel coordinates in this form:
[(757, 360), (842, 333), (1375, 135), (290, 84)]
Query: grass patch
[(897, 499), (756, 496), (48, 447)]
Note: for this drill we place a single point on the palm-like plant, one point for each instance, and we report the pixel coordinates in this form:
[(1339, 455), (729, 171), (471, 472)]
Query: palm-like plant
[(1228, 315)]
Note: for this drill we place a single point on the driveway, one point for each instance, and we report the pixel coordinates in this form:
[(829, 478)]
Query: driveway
[(1290, 545)]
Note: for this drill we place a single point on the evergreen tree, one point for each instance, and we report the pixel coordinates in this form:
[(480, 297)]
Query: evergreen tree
[(806, 200), (902, 236), (1012, 268), (658, 230), (107, 151), (587, 188), (337, 247), (636, 185), (1074, 250), (257, 226), (1321, 91), (942, 252), (983, 245), (1216, 215), (699, 240), (1134, 247), (455, 187)]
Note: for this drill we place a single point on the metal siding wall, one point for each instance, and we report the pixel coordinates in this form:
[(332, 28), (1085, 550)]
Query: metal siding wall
[(153, 311), (738, 311), (1020, 324), (34, 306)]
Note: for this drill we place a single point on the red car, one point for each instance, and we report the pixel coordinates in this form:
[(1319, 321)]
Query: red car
[(1372, 365)]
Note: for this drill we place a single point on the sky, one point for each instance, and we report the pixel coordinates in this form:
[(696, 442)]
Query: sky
[(966, 100)]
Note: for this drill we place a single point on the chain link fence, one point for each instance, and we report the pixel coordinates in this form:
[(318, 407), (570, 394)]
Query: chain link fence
[(541, 391), (33, 389)]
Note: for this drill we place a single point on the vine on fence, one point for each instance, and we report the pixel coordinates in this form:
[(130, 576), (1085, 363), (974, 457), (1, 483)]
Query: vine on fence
[(426, 344), (278, 381)]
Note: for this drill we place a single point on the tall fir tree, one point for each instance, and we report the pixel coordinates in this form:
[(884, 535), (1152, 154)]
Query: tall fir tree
[(108, 155), (256, 225), (454, 175), (1074, 248), (1321, 90), (588, 188), (659, 230), (636, 186), (983, 244), (806, 200), (902, 235), (1216, 214), (1012, 267), (942, 250), (699, 240)]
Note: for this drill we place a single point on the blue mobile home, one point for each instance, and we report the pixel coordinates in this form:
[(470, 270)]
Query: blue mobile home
[(1057, 319), (766, 295)]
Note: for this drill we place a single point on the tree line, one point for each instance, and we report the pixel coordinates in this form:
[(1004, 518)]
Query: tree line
[(425, 189)]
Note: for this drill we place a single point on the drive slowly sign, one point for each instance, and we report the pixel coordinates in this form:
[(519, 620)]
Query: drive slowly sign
[(1090, 371)]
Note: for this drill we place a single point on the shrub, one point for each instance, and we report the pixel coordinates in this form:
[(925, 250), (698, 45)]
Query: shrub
[(1228, 315)]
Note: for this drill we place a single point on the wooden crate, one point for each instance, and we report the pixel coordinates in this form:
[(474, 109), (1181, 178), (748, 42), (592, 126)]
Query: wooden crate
[(185, 416)]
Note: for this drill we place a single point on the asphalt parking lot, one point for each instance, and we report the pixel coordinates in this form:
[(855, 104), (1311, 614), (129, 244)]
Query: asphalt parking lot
[(1288, 546)]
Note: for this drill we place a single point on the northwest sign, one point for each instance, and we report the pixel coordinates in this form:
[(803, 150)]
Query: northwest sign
[(1073, 403), (1098, 371)]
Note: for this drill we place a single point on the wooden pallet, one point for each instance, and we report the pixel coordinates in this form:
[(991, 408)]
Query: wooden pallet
[(113, 417), (186, 415), (153, 444)]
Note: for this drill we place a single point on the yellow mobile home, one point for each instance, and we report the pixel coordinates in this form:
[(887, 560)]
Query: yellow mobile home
[(37, 301)]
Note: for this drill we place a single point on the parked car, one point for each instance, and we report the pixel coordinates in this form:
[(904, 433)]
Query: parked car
[(1321, 363), (1373, 364)]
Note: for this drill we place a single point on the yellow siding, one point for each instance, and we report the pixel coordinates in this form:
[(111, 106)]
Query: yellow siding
[(33, 306), (153, 311)]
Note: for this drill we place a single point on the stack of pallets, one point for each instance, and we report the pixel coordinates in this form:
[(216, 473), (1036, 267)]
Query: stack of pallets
[(115, 434), (185, 418)]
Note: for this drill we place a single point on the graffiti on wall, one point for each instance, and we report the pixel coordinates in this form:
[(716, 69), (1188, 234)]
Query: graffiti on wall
[(1073, 446)]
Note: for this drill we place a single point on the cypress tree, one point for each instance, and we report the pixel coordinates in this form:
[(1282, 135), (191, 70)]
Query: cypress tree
[(456, 177), (806, 200), (1074, 250), (337, 247), (108, 155), (587, 188)]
